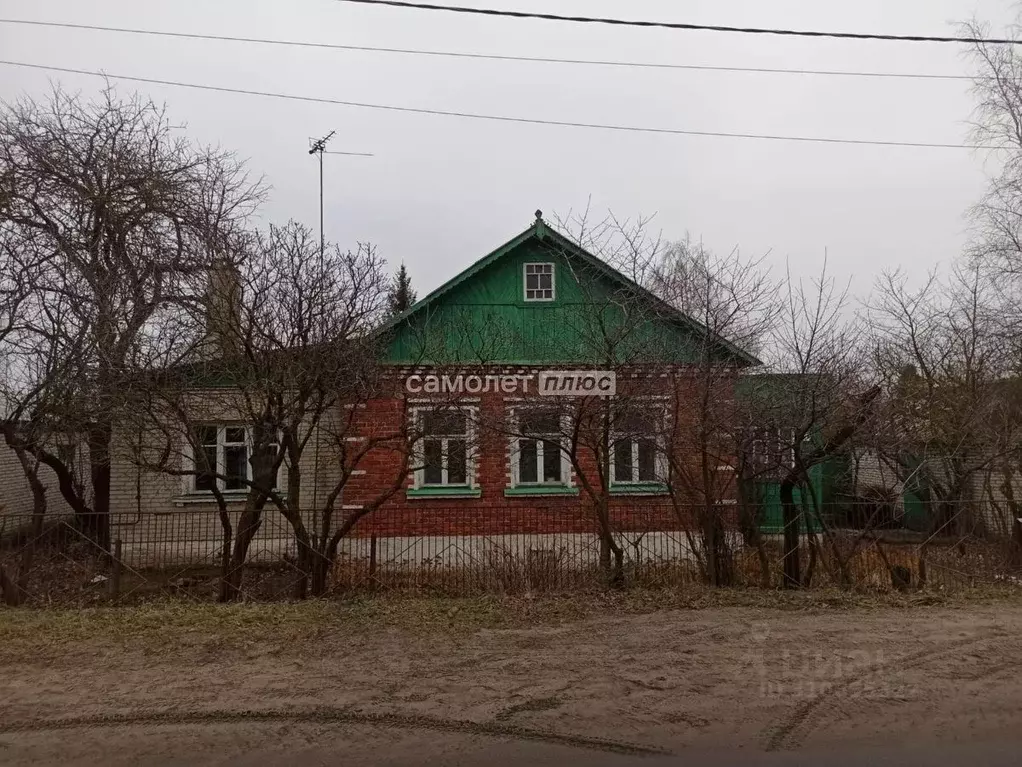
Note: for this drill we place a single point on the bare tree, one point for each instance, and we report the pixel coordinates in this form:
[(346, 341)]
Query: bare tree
[(817, 404), (294, 352), (621, 328), (124, 214), (14, 295), (997, 121), (942, 357), (36, 368), (734, 299)]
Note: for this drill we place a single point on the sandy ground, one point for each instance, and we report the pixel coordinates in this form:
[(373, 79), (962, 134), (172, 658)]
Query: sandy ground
[(757, 680)]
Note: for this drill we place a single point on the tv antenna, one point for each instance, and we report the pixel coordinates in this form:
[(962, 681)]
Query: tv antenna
[(318, 147)]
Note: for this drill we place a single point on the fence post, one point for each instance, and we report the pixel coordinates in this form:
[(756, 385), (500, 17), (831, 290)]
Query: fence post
[(372, 562), (115, 572)]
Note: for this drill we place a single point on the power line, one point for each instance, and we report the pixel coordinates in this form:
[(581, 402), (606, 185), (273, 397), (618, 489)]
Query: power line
[(682, 25), (486, 56), (494, 118)]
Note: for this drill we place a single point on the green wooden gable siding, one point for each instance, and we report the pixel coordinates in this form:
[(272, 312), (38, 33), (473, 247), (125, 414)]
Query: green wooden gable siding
[(482, 317)]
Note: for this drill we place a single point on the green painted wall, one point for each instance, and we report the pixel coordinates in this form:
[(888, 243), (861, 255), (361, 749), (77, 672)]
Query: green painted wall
[(485, 319), (914, 498), (777, 398), (768, 495)]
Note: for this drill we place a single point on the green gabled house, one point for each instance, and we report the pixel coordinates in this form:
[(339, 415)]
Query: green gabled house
[(487, 362)]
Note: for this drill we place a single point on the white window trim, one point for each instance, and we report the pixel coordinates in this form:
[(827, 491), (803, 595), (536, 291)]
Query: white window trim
[(515, 450), (419, 477), (188, 481), (787, 445), (553, 282), (660, 464)]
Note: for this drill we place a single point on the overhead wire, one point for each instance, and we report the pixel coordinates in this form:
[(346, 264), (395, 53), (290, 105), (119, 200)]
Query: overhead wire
[(498, 12), (483, 56), (620, 128)]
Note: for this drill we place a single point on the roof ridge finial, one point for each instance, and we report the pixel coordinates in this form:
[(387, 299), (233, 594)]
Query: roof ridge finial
[(539, 215)]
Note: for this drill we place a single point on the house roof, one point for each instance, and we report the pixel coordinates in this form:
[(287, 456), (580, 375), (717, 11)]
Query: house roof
[(541, 231)]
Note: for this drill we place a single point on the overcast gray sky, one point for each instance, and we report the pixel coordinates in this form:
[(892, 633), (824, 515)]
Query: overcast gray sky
[(441, 192)]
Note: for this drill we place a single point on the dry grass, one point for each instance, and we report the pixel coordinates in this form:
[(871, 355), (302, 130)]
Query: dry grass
[(172, 628)]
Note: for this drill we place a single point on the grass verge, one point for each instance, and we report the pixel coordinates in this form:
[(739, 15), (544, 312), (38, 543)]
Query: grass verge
[(172, 628)]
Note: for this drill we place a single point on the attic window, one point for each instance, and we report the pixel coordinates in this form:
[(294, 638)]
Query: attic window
[(539, 282)]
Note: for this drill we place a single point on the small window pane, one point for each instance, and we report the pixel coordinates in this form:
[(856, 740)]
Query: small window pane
[(206, 435), (206, 464), (235, 467), (432, 472), (623, 461), (234, 434), (647, 461), (551, 462), (527, 460), (457, 462)]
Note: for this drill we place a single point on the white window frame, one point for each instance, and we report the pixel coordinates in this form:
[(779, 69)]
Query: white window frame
[(515, 452), (553, 281), (470, 448), (660, 463), (191, 480), (787, 445)]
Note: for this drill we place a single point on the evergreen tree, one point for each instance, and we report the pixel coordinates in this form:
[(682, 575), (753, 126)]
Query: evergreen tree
[(401, 294)]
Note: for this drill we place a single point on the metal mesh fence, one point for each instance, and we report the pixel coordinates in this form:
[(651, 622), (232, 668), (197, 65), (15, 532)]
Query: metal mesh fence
[(459, 550)]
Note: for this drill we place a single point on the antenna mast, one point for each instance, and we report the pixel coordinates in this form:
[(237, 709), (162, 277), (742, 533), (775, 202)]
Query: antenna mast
[(317, 148)]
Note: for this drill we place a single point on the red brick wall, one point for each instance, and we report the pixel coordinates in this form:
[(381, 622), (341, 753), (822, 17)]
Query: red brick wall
[(493, 513)]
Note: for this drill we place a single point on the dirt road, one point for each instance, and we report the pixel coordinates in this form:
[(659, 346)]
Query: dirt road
[(617, 686)]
